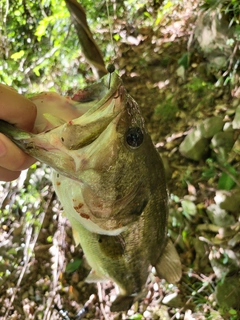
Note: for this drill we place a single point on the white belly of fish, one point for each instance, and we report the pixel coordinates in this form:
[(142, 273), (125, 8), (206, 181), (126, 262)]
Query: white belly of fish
[(69, 193)]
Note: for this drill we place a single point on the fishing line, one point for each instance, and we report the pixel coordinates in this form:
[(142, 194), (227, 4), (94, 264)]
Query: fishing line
[(110, 67)]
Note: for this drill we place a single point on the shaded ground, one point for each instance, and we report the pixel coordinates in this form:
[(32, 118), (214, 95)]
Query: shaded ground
[(33, 276)]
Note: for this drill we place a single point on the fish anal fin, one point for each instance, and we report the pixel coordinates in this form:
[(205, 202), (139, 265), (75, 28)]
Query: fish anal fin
[(169, 266)]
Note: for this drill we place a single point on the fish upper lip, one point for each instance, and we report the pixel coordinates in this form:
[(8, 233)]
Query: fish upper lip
[(81, 131)]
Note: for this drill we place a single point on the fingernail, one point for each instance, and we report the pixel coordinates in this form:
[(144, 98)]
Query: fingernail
[(3, 149)]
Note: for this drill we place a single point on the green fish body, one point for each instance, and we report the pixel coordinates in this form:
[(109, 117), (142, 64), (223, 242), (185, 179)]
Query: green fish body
[(110, 180)]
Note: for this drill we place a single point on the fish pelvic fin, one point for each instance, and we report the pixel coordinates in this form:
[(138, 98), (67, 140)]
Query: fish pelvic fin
[(169, 266), (94, 277), (76, 236), (122, 303)]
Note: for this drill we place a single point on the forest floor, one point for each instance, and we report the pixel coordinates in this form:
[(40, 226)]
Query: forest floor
[(42, 272)]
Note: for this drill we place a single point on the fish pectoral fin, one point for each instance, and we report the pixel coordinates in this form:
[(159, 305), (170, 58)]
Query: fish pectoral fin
[(169, 266), (76, 235), (95, 277), (53, 120)]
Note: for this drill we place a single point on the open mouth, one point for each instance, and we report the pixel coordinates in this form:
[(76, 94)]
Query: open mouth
[(107, 95), (56, 146)]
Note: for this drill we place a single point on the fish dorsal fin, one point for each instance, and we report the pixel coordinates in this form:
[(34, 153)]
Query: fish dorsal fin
[(53, 120), (169, 266)]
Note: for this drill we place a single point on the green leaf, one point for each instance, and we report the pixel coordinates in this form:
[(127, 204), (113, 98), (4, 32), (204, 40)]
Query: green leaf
[(17, 55), (116, 37), (184, 60), (49, 239), (73, 266), (232, 311), (225, 182), (136, 316), (12, 251)]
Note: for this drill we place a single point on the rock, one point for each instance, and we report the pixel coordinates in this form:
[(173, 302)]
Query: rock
[(223, 262), (235, 103), (172, 300), (236, 120), (194, 146), (189, 208), (228, 200), (211, 33), (211, 126), (219, 216), (181, 72), (228, 126), (228, 293), (222, 144)]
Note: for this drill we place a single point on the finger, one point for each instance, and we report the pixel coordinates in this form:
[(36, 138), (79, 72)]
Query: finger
[(11, 157), (16, 109), (8, 175)]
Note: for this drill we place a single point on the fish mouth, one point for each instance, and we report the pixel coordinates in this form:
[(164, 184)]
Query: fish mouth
[(57, 146), (107, 96)]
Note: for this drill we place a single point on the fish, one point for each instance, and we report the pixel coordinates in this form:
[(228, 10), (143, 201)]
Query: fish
[(110, 180)]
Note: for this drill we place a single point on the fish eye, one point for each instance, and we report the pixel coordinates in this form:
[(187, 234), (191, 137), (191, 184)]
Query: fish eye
[(134, 137)]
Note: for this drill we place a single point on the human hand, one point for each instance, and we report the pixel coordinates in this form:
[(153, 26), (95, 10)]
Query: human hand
[(21, 112)]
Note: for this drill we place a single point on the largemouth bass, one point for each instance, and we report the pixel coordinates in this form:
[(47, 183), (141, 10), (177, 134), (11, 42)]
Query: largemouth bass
[(110, 180)]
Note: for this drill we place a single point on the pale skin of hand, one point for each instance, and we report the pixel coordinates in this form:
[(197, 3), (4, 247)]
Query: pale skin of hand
[(21, 112)]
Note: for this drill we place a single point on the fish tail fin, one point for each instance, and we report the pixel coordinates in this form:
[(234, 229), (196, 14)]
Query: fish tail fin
[(168, 265)]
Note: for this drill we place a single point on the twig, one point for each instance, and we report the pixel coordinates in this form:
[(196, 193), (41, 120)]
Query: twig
[(101, 300), (56, 270)]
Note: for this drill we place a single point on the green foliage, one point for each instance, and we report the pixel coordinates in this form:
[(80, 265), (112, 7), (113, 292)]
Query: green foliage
[(226, 7), (164, 10), (33, 57), (136, 316), (184, 60), (230, 10), (41, 49), (226, 181), (168, 109), (198, 85), (209, 171), (224, 175), (73, 266)]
